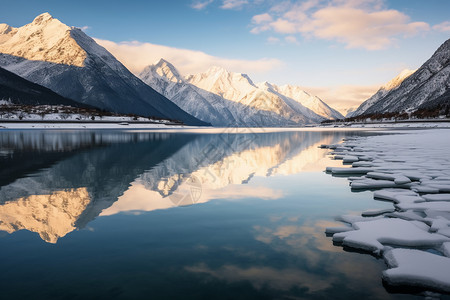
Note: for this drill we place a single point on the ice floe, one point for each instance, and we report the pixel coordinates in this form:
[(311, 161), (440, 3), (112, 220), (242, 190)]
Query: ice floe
[(419, 268), (437, 197), (373, 235), (411, 169), (372, 213)]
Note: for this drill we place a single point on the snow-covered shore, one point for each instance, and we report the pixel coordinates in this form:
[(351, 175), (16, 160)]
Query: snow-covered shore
[(127, 123), (403, 124), (411, 169), (83, 125)]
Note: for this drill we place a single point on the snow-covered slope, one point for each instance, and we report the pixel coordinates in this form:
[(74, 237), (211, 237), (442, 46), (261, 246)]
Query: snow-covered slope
[(232, 99), (165, 79), (426, 84), (382, 91), (312, 102), (69, 62), (239, 88)]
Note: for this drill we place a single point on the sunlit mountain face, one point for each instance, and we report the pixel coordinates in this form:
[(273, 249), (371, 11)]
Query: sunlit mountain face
[(57, 182)]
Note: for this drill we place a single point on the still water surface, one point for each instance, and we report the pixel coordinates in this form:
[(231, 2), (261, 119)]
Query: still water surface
[(157, 215)]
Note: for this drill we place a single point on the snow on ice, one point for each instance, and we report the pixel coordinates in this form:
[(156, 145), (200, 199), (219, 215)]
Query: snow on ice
[(411, 169)]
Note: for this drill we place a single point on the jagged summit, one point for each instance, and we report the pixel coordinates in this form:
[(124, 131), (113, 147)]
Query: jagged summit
[(165, 69), (220, 72), (5, 28), (44, 39), (42, 18), (229, 85), (294, 89)]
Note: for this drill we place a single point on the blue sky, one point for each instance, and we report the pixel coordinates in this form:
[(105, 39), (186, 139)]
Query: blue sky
[(337, 49)]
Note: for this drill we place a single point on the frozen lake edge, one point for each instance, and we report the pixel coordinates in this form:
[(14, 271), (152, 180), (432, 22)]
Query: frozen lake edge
[(411, 169)]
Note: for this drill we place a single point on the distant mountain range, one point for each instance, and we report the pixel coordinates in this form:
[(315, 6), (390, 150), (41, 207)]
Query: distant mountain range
[(426, 87), (69, 62), (71, 65), (223, 98)]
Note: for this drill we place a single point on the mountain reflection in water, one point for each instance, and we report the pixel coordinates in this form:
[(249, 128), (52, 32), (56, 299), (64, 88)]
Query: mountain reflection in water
[(53, 182)]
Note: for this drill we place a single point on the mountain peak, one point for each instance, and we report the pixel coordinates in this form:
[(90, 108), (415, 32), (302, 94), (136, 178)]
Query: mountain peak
[(217, 70), (265, 85), (5, 28), (220, 72), (165, 69), (42, 18), (163, 62), (44, 39)]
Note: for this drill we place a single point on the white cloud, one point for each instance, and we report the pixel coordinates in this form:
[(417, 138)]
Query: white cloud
[(136, 56), (85, 28), (443, 27), (284, 26), (233, 4), (291, 39), (356, 23), (258, 19), (273, 40), (260, 29), (199, 5)]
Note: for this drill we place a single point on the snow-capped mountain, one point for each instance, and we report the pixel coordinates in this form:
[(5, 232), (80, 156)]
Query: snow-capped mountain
[(289, 102), (411, 90), (232, 99), (165, 79), (69, 62), (312, 102)]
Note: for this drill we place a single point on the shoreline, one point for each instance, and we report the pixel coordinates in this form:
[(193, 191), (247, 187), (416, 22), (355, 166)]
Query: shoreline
[(149, 125)]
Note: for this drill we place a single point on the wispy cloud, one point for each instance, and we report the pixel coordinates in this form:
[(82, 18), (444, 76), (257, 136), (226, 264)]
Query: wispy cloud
[(366, 24), (233, 4), (262, 18), (136, 56), (443, 27), (199, 5), (85, 28), (291, 39), (273, 40)]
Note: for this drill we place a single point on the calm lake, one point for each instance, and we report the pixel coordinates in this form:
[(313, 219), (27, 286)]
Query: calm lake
[(161, 215)]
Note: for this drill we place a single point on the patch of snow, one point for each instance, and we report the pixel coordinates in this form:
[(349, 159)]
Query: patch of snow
[(373, 235), (416, 164), (418, 268)]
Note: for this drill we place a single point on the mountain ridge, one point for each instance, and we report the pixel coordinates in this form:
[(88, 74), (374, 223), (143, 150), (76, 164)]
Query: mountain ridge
[(426, 84), (219, 91), (92, 76)]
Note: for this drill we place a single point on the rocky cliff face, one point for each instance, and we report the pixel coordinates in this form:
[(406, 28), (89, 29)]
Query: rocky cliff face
[(408, 92)]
